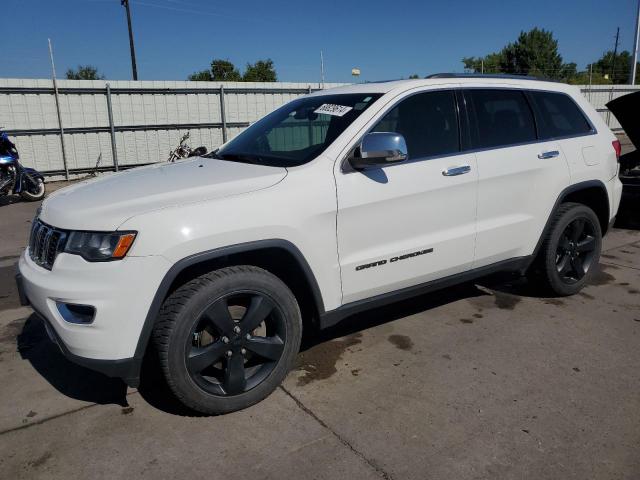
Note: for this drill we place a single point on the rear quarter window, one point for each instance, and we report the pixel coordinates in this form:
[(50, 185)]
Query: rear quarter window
[(500, 117), (558, 115)]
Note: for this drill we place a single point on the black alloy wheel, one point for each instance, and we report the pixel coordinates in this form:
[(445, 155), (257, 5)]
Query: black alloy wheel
[(570, 250), (226, 339), (576, 250), (235, 343)]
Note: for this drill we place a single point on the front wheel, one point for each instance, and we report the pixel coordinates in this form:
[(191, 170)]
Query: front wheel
[(571, 250), (33, 189), (227, 339)]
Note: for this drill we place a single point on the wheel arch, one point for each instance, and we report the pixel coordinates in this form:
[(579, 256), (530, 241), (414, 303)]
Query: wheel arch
[(591, 193), (280, 257)]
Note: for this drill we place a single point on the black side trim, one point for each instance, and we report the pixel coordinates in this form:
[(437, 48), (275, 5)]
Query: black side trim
[(179, 266), (334, 316), (128, 369)]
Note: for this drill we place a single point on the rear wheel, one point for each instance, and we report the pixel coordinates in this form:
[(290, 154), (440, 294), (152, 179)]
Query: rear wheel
[(571, 249), (227, 339)]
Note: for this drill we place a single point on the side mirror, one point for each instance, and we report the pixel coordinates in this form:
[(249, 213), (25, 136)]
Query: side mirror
[(379, 149), (198, 152)]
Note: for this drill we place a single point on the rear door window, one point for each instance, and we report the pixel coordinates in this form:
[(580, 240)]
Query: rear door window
[(428, 121), (559, 115), (500, 117)]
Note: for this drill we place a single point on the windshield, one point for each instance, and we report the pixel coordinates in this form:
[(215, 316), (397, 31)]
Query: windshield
[(297, 132)]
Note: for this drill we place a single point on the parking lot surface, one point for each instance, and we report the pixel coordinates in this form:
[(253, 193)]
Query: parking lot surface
[(486, 380)]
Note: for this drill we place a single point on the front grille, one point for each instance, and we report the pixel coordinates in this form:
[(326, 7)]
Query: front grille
[(45, 244)]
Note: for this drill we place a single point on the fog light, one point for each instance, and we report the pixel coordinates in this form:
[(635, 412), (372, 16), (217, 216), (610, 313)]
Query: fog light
[(74, 313)]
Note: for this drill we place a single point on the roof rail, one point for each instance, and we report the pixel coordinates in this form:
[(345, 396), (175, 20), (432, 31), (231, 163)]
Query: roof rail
[(488, 75)]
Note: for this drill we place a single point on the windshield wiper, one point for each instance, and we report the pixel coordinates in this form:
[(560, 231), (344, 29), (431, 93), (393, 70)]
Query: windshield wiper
[(239, 157)]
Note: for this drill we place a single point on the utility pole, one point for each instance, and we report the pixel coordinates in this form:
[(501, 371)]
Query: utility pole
[(634, 55), (322, 69), (57, 98), (615, 54), (125, 3)]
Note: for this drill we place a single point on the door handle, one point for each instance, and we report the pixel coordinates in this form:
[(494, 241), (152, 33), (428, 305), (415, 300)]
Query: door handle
[(453, 171), (549, 154)]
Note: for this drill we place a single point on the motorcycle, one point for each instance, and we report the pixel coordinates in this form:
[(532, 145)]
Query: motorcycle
[(183, 150), (16, 179)]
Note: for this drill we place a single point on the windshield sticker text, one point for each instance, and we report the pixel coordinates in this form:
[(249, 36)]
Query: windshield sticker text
[(333, 109)]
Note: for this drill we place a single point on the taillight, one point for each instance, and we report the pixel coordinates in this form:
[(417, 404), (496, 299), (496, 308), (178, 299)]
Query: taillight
[(618, 148)]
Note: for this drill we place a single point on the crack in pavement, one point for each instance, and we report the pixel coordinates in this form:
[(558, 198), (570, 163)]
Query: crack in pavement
[(621, 246), (371, 463), (619, 265), (46, 419), (57, 415)]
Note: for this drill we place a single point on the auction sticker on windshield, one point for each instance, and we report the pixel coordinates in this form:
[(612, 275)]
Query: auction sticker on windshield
[(332, 109)]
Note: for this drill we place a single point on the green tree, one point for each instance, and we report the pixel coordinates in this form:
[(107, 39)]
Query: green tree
[(617, 68), (84, 72), (224, 71), (413, 76), (261, 71), (534, 53), (489, 64), (583, 78), (201, 76)]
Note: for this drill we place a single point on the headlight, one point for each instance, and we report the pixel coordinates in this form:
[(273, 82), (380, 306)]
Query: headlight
[(100, 246)]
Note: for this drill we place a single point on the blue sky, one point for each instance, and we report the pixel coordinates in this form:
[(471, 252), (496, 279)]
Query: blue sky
[(384, 39)]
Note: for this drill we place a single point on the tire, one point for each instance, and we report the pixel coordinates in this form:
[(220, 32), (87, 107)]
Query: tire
[(37, 193), (570, 250), (227, 339)]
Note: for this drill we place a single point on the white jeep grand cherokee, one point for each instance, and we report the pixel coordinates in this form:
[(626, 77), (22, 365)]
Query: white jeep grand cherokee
[(339, 201)]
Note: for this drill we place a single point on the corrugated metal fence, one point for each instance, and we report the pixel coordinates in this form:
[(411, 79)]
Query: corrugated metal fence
[(145, 119), (134, 123)]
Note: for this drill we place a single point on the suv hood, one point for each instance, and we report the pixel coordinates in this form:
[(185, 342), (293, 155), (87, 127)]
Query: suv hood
[(626, 110), (105, 203)]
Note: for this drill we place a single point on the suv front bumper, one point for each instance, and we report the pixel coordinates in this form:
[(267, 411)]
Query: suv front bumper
[(121, 293)]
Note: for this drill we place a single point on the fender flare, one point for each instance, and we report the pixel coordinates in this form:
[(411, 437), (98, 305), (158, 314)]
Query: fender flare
[(34, 173), (17, 188), (564, 194), (181, 265)]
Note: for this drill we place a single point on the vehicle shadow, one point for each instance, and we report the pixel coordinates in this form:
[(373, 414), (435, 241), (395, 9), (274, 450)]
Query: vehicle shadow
[(68, 378), (9, 200), (390, 313), (156, 392)]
